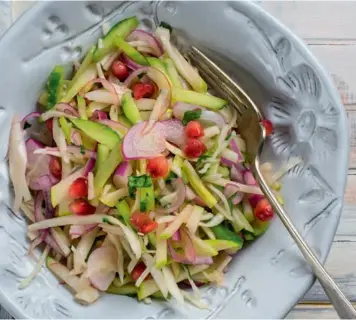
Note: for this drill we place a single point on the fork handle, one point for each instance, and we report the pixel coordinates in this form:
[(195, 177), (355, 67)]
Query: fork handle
[(342, 305)]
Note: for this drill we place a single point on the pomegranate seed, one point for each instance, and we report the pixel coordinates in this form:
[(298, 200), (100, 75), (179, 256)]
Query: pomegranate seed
[(138, 270), (268, 126), (194, 148), (81, 207), (79, 188), (263, 210), (194, 130), (158, 167), (55, 167), (49, 125), (143, 90), (119, 70)]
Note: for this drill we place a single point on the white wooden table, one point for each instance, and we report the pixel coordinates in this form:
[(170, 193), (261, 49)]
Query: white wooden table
[(329, 28)]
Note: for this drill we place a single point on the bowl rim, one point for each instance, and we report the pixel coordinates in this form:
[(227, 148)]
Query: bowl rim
[(23, 19)]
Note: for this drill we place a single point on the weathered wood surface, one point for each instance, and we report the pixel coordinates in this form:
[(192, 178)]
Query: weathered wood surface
[(329, 30)]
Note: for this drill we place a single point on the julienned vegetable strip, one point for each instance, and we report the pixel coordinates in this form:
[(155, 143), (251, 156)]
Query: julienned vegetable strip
[(137, 179)]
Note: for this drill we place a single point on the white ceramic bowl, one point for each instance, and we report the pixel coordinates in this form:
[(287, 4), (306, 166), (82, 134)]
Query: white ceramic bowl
[(266, 279)]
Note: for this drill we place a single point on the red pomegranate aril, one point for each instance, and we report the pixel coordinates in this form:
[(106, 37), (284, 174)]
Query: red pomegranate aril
[(158, 167), (138, 270), (119, 70), (194, 148), (79, 188), (142, 222), (263, 210), (143, 90), (55, 167), (81, 207), (49, 125), (194, 130), (268, 126)]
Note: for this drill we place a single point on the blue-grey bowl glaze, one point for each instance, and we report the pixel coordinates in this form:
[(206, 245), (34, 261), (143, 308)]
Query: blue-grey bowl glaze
[(276, 69)]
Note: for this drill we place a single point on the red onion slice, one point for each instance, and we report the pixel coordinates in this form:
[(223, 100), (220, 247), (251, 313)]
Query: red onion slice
[(187, 244), (130, 63), (102, 267), (227, 162), (236, 175), (39, 216), (28, 117), (122, 172), (77, 230), (67, 108), (173, 131), (89, 167), (99, 115), (182, 259), (243, 188), (76, 137), (38, 165), (237, 198), (149, 38), (137, 145), (249, 178), (176, 236), (235, 148), (179, 186), (180, 108)]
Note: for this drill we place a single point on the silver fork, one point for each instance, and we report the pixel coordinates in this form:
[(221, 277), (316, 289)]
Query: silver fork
[(250, 127)]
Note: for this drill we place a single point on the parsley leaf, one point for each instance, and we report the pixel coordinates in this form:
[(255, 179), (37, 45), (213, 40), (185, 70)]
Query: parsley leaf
[(82, 149), (135, 182), (26, 125), (105, 220), (171, 177), (191, 115)]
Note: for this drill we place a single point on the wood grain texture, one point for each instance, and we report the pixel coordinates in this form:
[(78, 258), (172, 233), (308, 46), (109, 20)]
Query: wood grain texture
[(340, 62), (316, 20), (312, 311)]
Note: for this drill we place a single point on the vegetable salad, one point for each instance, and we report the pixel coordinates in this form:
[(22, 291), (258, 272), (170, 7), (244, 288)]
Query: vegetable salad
[(133, 177)]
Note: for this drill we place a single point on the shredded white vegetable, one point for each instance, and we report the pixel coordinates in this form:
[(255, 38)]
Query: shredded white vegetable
[(82, 250), (208, 232), (36, 269), (156, 274), (17, 164), (194, 219), (172, 285), (115, 240)]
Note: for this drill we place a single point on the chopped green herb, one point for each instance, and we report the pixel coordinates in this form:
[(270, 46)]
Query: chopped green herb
[(135, 182), (171, 177), (143, 205), (166, 25), (203, 157), (228, 136), (53, 86), (191, 115), (26, 125), (105, 220), (82, 149)]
